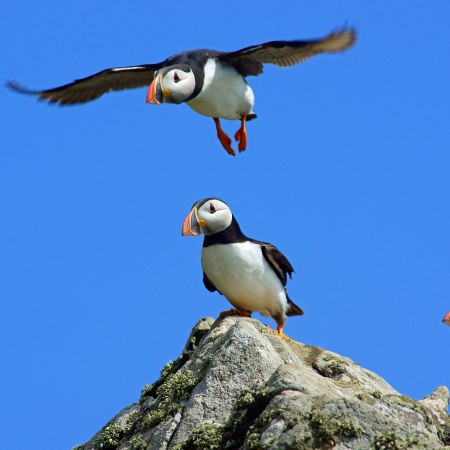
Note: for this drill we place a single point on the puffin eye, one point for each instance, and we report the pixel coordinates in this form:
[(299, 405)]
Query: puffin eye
[(176, 78), (212, 210)]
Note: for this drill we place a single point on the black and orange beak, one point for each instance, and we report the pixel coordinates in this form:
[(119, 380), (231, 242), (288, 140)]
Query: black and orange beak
[(155, 91), (192, 224)]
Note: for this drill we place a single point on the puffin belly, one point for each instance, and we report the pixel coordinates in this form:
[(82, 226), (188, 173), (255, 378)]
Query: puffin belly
[(225, 93), (240, 272)]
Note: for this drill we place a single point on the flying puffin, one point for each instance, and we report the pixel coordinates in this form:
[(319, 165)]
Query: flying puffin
[(251, 274), (211, 82)]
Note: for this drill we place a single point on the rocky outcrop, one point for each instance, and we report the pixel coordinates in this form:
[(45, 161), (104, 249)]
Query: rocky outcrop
[(237, 386)]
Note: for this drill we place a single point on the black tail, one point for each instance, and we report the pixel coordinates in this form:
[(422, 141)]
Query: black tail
[(293, 309)]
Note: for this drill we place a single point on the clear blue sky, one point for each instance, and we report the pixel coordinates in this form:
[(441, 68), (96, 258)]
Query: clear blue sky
[(346, 172)]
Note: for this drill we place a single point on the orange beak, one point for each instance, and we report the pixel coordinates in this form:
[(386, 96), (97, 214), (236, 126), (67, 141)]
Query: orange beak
[(154, 94), (190, 225)]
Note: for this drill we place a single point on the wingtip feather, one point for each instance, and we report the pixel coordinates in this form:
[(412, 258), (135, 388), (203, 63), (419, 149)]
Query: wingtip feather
[(18, 88), (347, 36)]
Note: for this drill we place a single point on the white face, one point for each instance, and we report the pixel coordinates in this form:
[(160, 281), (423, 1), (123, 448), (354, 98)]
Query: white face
[(216, 214), (178, 85)]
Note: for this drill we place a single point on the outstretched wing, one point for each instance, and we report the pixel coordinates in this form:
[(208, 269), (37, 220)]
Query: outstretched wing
[(250, 60), (94, 86), (278, 262)]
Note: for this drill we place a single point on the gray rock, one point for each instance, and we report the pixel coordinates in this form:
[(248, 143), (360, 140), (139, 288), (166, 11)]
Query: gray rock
[(237, 386)]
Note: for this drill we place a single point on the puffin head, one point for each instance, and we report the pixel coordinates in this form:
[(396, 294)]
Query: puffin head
[(173, 84), (207, 216)]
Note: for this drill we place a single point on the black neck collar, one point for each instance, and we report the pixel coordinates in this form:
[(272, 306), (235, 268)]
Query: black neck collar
[(230, 235)]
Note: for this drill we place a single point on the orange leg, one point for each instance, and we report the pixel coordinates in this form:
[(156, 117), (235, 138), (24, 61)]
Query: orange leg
[(223, 137), (279, 331), (241, 135), (235, 312)]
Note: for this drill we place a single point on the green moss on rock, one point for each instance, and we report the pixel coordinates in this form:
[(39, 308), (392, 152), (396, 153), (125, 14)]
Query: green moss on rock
[(326, 431), (177, 386), (444, 431), (249, 405), (112, 434), (377, 394), (167, 369), (389, 440), (245, 398), (208, 436), (366, 398), (149, 390), (175, 389), (252, 440), (165, 410), (146, 392), (152, 419), (331, 368), (137, 443)]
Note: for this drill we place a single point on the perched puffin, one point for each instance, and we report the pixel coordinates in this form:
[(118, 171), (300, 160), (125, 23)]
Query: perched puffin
[(446, 319), (251, 274), (211, 82)]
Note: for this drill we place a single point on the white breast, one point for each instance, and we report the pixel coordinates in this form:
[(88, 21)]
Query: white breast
[(241, 273), (225, 93)]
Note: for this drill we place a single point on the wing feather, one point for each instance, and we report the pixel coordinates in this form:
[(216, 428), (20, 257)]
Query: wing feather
[(287, 53), (94, 86), (278, 262)]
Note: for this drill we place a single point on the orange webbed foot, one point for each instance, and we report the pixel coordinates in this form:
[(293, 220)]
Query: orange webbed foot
[(224, 139), (235, 312), (278, 333), (241, 135)]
